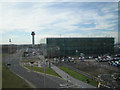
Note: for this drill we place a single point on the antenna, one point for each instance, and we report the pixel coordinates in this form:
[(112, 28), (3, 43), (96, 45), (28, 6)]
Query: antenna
[(60, 35)]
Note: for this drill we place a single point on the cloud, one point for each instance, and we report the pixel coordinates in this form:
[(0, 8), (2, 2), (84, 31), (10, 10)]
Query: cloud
[(53, 19), (87, 23), (39, 17), (59, 1)]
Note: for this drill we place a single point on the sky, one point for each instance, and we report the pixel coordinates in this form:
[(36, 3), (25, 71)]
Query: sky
[(55, 19)]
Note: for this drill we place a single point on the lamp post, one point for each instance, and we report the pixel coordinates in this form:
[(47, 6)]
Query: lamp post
[(44, 73), (44, 67), (45, 63), (63, 49), (9, 52), (43, 53), (58, 48), (76, 54)]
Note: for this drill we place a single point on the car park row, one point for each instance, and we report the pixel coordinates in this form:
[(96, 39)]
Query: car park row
[(114, 60), (111, 60)]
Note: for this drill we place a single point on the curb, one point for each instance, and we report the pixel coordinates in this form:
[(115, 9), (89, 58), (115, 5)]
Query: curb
[(31, 85), (40, 72)]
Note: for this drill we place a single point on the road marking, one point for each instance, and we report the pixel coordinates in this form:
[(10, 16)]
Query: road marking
[(24, 79), (28, 71)]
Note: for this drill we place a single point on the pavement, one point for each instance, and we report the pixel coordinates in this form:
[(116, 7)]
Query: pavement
[(36, 79), (70, 79)]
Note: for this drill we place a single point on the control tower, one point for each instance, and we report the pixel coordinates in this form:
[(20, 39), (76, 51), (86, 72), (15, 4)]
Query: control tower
[(33, 42)]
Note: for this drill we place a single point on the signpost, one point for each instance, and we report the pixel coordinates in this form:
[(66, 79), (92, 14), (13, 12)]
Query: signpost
[(49, 64)]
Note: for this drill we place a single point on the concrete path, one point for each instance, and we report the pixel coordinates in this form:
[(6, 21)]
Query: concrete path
[(74, 81)]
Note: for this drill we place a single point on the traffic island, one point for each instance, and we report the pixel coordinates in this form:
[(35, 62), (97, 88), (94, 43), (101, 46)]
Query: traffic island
[(48, 70)]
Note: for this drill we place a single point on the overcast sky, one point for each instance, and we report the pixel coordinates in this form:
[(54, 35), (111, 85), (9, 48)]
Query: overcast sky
[(52, 19)]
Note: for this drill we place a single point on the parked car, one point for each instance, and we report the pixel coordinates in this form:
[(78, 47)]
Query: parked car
[(114, 63), (110, 62), (27, 55), (101, 59), (116, 76), (87, 57), (81, 58), (63, 60), (116, 58), (90, 57), (94, 56)]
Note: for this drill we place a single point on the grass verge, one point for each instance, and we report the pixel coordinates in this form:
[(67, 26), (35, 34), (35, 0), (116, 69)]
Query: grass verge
[(79, 76), (28, 60), (41, 69), (3, 54), (10, 80)]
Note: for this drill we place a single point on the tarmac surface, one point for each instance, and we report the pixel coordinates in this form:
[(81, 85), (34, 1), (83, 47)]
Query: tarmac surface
[(35, 79)]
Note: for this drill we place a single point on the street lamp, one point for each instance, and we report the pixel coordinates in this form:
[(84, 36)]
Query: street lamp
[(76, 53), (44, 67), (58, 48), (44, 64), (44, 73), (9, 52)]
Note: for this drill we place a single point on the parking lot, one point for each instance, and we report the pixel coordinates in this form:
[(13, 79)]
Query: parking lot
[(93, 69)]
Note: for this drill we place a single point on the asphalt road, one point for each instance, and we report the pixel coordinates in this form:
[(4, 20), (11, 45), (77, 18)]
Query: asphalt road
[(36, 79)]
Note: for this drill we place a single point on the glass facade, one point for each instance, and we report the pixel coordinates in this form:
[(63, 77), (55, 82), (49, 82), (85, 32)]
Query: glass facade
[(88, 46)]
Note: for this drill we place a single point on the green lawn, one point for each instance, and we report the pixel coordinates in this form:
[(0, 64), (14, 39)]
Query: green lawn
[(41, 69), (29, 60), (0, 55), (78, 76), (3, 54), (10, 80)]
